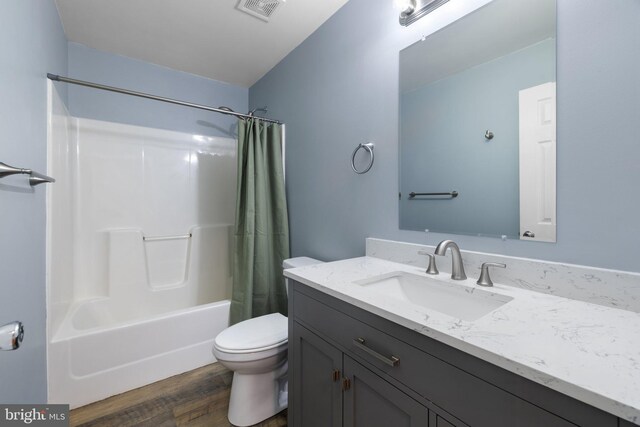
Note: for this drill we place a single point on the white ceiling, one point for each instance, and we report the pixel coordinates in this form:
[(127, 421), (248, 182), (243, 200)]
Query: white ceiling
[(210, 38)]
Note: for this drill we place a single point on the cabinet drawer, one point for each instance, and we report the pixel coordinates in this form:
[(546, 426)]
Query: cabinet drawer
[(344, 330), (469, 398)]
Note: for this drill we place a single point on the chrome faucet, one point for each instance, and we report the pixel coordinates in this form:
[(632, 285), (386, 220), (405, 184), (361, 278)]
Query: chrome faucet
[(457, 269)]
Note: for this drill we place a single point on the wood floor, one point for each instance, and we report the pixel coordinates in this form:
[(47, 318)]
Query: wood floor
[(199, 398)]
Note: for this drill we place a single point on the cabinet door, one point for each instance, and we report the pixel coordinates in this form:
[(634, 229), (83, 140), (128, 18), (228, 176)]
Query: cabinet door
[(435, 420), (317, 385), (370, 401)]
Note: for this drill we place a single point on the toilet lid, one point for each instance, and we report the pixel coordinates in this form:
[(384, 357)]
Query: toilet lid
[(259, 333)]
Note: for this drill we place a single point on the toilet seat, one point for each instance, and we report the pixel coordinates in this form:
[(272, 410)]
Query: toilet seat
[(256, 335)]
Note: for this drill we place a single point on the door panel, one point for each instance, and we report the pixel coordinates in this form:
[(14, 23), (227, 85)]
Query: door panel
[(538, 163), (317, 388), (435, 420), (372, 402)]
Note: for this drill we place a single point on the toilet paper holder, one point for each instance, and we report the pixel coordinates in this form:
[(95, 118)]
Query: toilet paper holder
[(11, 335)]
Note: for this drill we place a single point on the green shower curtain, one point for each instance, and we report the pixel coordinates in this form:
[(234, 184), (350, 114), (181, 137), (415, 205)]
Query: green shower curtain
[(261, 227)]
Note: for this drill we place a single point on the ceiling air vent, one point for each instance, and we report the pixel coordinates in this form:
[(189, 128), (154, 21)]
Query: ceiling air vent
[(262, 9)]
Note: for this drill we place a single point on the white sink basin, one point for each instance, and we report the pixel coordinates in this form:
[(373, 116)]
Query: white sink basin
[(457, 301)]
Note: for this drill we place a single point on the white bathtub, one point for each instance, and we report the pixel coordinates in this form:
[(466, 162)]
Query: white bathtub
[(102, 362), (143, 330)]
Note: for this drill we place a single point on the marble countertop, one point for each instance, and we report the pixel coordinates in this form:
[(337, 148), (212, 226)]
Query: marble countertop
[(586, 351)]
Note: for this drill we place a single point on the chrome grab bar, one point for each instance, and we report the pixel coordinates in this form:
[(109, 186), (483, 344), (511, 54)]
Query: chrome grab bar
[(35, 178), (156, 238), (391, 361), (453, 194)]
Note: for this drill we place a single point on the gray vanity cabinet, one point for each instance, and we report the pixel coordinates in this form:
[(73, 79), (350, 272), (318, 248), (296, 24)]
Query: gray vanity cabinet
[(332, 389), (343, 372)]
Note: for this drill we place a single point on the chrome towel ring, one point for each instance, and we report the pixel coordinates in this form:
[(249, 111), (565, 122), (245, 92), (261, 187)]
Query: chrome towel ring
[(369, 148)]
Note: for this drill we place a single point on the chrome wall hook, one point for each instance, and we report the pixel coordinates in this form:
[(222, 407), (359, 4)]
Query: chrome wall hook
[(488, 135)]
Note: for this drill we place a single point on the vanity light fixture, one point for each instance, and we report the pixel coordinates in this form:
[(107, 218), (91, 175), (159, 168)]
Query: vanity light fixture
[(405, 7), (412, 10)]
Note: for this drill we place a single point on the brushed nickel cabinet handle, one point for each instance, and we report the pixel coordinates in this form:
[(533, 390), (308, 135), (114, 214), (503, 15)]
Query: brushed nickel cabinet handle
[(391, 361)]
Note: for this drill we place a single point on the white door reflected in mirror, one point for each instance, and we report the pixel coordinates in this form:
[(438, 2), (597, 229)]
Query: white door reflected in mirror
[(538, 163)]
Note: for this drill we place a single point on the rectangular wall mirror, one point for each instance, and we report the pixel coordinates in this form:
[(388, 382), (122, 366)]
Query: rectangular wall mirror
[(478, 124)]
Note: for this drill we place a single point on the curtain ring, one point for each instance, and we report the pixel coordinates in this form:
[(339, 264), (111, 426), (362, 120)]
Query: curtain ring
[(369, 148)]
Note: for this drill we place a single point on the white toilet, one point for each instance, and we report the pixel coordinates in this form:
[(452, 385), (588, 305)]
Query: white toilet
[(256, 351)]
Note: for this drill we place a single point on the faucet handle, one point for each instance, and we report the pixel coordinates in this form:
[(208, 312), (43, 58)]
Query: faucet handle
[(485, 279), (432, 269)]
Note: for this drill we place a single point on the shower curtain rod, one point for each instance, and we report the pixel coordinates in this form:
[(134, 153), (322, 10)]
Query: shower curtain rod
[(58, 78)]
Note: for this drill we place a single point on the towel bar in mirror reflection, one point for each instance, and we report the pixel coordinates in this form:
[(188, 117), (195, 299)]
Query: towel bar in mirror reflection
[(453, 194)]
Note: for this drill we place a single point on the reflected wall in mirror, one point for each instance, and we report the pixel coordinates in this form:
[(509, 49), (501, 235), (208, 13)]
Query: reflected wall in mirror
[(477, 116)]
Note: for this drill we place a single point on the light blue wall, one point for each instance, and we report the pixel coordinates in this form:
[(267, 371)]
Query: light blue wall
[(115, 70), (443, 148), (32, 43), (340, 88)]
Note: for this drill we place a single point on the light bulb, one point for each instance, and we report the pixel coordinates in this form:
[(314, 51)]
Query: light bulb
[(404, 6)]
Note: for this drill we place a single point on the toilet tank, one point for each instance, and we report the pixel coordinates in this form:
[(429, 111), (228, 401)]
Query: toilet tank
[(300, 261)]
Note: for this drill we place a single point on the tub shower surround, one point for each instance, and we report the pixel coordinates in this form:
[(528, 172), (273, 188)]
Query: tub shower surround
[(585, 350), (139, 269)]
